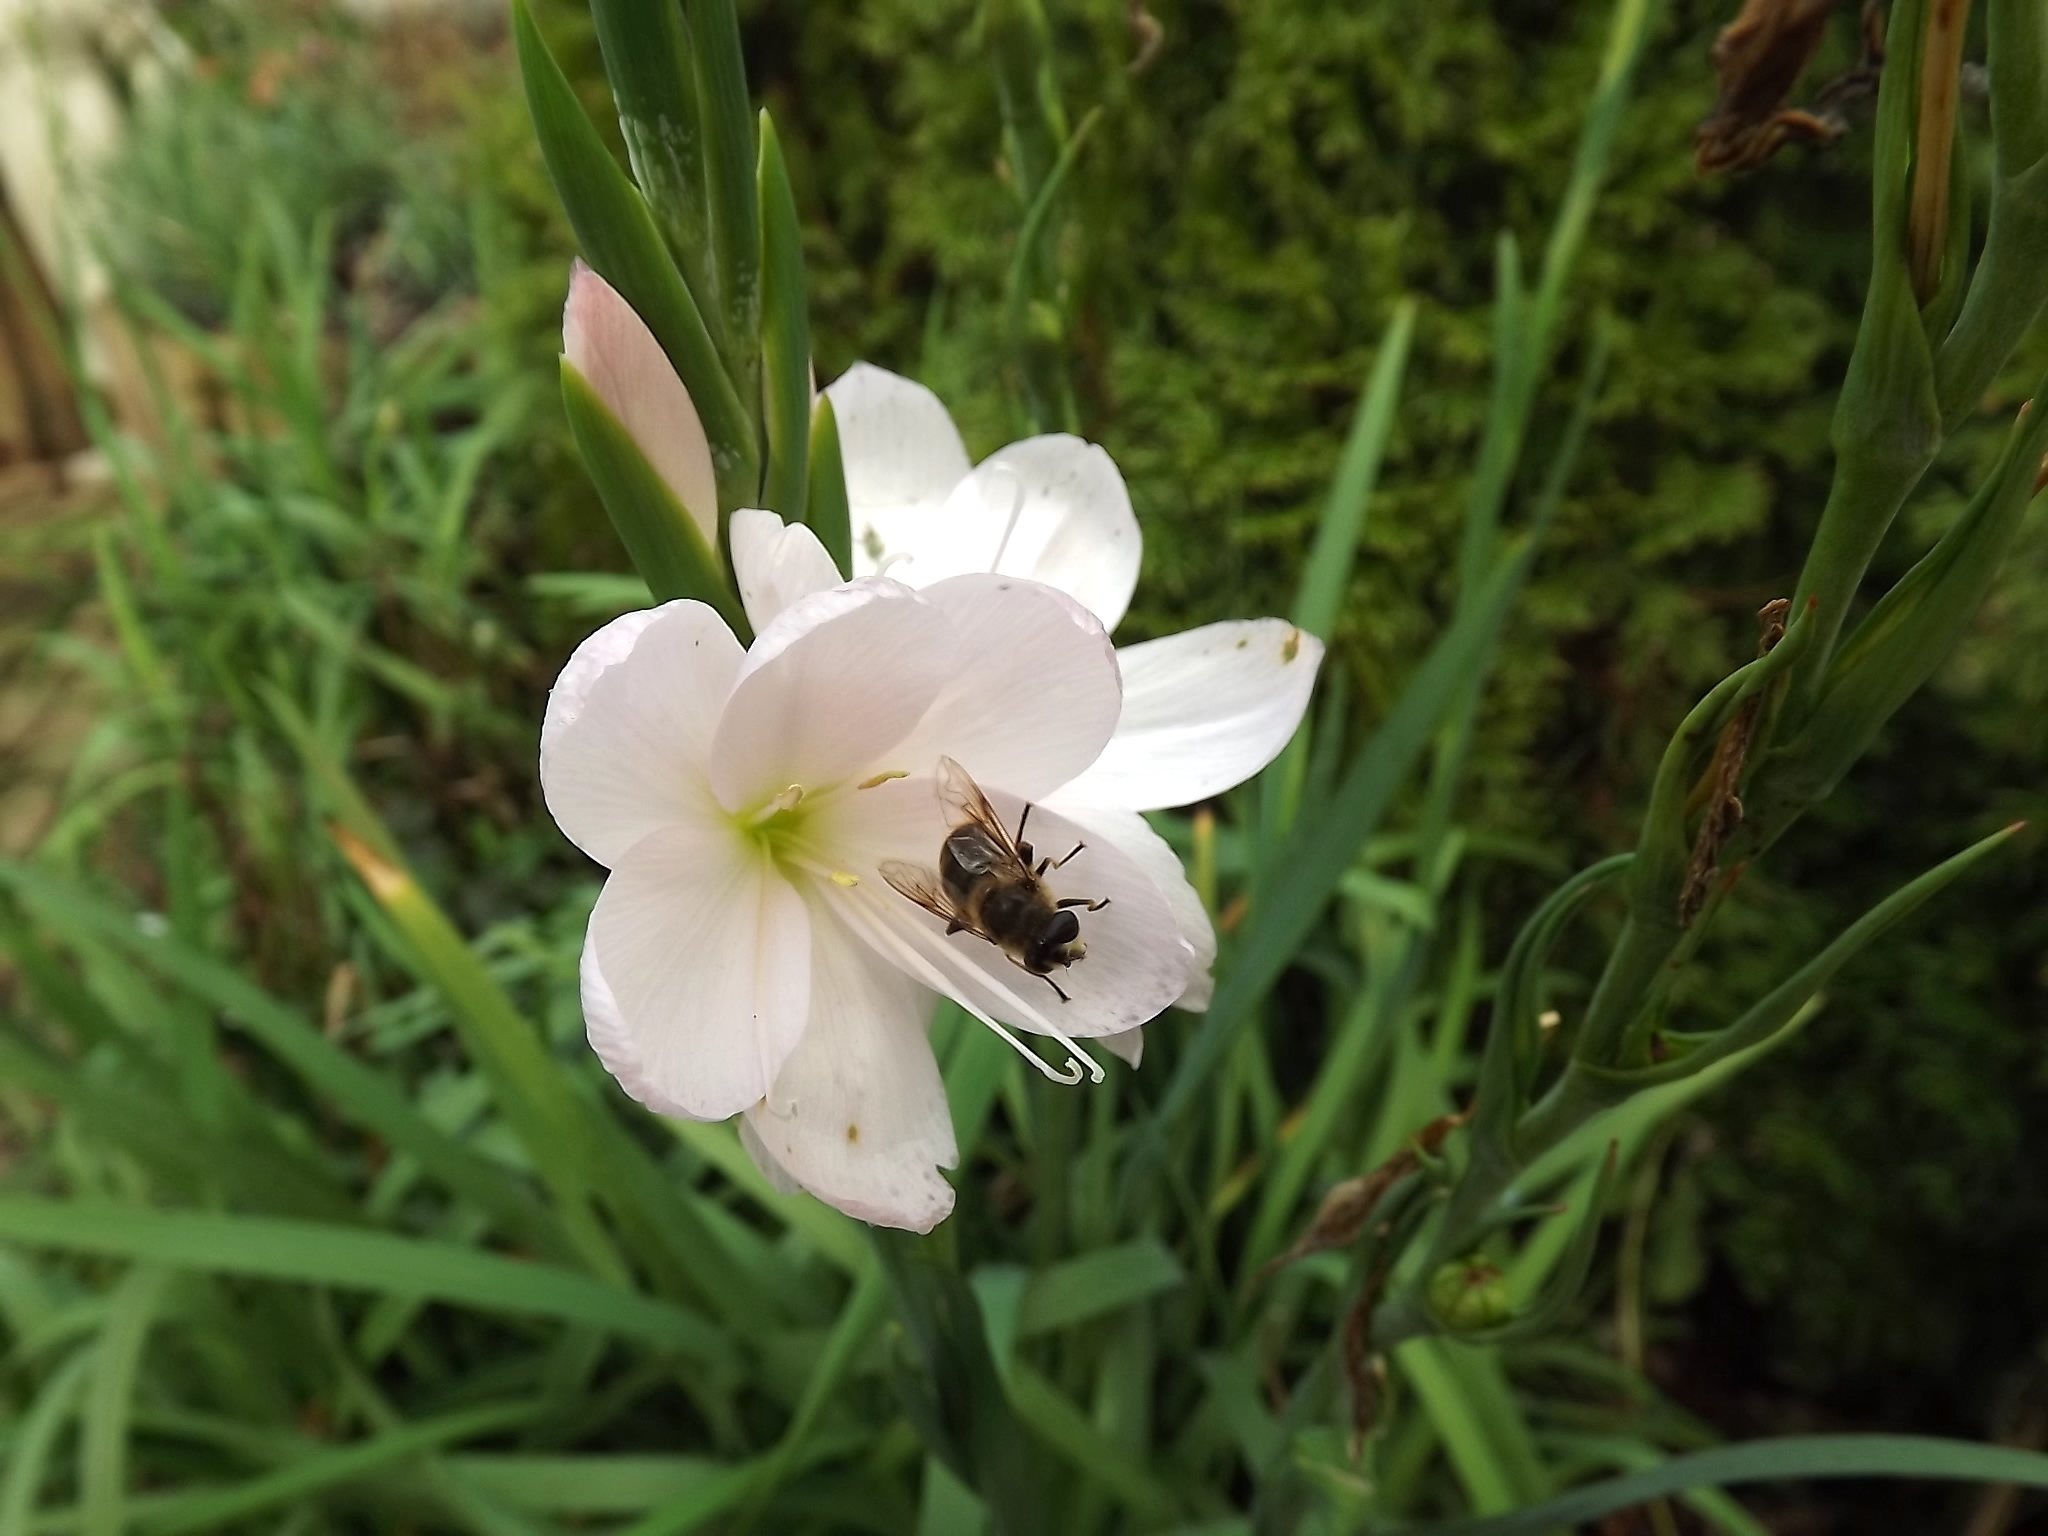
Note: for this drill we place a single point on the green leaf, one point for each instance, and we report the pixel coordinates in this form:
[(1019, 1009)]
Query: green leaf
[(950, 1389), (212, 1509), (1033, 253), (1299, 876), (365, 1097), (730, 1486), (1512, 1040), (1070, 1432), (34, 1438), (826, 508), (1319, 601), (836, 1238), (727, 120), (620, 242), (603, 1484), (1663, 852), (314, 1253), (244, 1159), (654, 87), (591, 594), (103, 1435), (1774, 1011), (1561, 1288), (1466, 1395), (667, 547), (1911, 631), (2011, 281), (1096, 1284), (1887, 425), (785, 337), (1794, 1457), (528, 1087)]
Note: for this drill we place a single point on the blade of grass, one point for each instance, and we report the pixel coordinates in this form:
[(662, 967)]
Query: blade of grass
[(103, 1434), (314, 1253), (597, 1484), (303, 1480), (1466, 1395), (35, 1439), (1792, 1457), (837, 1238), (367, 1097), (1096, 1284), (1041, 1407), (530, 1089), (1303, 871), (1319, 600)]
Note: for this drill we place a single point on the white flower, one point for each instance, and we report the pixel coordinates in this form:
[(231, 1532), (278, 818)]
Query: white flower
[(747, 956), (1203, 711)]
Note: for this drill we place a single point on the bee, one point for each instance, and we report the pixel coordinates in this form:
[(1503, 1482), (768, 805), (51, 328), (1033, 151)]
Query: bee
[(988, 885)]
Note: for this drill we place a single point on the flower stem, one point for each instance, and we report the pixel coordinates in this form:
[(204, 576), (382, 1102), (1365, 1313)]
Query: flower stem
[(1941, 62)]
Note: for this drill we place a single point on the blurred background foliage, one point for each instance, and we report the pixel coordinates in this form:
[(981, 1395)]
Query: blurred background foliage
[(1258, 197), (339, 266)]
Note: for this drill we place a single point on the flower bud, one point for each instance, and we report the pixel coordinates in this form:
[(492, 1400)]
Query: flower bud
[(1469, 1294)]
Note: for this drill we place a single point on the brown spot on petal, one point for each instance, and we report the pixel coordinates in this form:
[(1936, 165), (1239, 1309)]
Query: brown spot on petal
[(852, 1135), (1291, 647)]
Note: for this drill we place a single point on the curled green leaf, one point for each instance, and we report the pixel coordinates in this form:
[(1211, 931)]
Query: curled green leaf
[(666, 545)]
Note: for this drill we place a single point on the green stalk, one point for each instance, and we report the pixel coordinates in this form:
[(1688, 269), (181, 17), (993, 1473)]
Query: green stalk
[(1887, 425)]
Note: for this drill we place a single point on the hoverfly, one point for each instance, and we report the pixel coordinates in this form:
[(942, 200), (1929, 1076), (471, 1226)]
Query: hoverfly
[(987, 884)]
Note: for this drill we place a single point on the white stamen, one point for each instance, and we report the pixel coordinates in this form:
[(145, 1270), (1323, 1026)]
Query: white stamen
[(880, 934)]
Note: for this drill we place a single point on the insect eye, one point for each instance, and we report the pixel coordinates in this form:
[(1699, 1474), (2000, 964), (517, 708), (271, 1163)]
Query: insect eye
[(1063, 929)]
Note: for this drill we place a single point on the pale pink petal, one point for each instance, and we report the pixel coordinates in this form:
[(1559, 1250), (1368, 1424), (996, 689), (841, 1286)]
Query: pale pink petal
[(1128, 1047), (776, 563), (1035, 692), (627, 737), (696, 972), (1130, 832), (858, 1115), (1051, 509), (779, 1178), (610, 345), (902, 453), (1203, 710), (1137, 961), (834, 682)]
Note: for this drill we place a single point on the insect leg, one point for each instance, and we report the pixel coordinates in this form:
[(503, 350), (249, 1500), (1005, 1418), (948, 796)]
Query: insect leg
[(1026, 816), (1061, 863), (1084, 903), (1056, 987)]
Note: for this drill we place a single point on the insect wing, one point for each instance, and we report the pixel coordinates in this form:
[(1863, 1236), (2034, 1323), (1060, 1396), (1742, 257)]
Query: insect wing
[(922, 886), (964, 802)]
